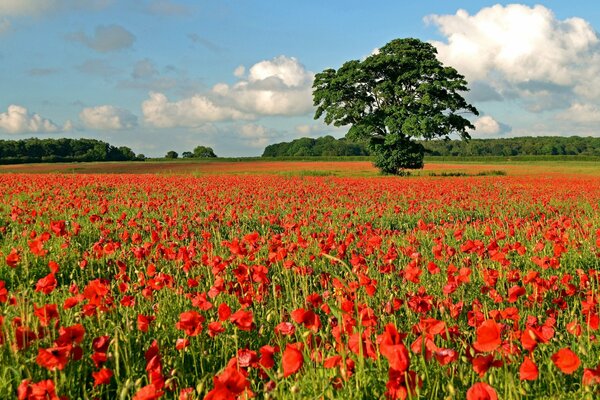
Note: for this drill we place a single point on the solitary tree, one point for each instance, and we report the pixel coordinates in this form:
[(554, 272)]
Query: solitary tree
[(171, 154), (396, 95), (204, 152)]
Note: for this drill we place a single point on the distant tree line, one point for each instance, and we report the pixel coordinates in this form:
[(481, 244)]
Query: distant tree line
[(199, 152), (323, 146), (519, 146), (62, 150)]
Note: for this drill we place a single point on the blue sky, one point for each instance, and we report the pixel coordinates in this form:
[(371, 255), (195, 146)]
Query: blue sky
[(161, 75)]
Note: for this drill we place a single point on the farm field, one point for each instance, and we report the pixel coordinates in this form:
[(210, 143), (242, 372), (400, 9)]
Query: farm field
[(267, 280), (317, 167)]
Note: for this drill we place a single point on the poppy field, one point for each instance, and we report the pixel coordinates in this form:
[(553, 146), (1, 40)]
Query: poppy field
[(267, 286)]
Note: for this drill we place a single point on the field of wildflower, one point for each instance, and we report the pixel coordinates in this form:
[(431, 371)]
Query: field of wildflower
[(267, 286)]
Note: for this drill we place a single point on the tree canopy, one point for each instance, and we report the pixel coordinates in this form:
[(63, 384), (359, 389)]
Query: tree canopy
[(400, 93), (62, 150), (309, 147)]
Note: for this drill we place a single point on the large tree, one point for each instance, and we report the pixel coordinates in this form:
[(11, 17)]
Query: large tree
[(400, 93)]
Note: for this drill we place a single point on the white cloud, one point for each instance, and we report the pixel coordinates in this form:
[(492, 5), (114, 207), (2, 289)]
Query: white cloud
[(255, 135), (487, 126), (581, 113), (105, 38), (239, 71), (190, 112), (18, 119), (107, 117), (280, 86), (522, 52)]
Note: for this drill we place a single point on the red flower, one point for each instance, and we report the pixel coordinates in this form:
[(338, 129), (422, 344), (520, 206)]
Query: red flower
[(229, 384), (3, 292), (528, 370), (190, 322), (102, 377), (46, 313), (13, 258), (181, 344), (148, 392), (43, 390), (215, 328), (70, 334), (224, 312), (244, 320), (143, 322), (54, 357), (292, 360), (308, 318), (46, 284), (566, 361), (591, 376), (481, 391), (285, 328), (392, 348), (488, 336)]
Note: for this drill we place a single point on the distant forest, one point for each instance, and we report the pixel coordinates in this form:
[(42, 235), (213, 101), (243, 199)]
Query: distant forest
[(519, 146), (62, 150)]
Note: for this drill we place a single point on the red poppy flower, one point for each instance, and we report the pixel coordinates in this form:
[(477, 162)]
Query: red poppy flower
[(46, 284), (190, 322), (481, 391), (244, 320), (285, 328), (488, 336), (528, 370), (292, 360), (102, 377), (229, 384), (308, 318), (148, 392), (13, 258), (43, 390), (591, 376), (224, 312), (181, 344), (46, 313), (566, 360), (54, 357), (143, 322)]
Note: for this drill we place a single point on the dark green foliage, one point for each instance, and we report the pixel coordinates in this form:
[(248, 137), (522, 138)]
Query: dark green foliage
[(204, 152), (35, 150), (171, 154), (391, 98), (323, 146), (519, 146)]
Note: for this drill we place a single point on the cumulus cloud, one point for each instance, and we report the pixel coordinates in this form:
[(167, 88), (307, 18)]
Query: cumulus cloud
[(107, 118), (190, 112), (280, 86), (487, 126), (255, 135), (18, 119), (517, 51), (581, 113), (105, 38)]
